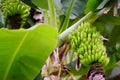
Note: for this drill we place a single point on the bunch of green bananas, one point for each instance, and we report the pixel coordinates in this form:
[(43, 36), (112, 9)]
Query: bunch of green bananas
[(13, 7), (87, 42)]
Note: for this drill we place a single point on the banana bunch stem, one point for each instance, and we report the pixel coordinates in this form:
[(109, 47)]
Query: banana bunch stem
[(96, 72)]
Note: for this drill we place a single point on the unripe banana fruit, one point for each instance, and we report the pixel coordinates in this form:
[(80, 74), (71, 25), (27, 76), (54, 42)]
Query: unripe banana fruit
[(15, 7), (87, 42)]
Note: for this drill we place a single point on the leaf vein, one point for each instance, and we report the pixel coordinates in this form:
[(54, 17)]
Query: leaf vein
[(14, 55)]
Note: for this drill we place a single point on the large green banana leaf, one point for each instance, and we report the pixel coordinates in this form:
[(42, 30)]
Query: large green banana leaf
[(23, 52)]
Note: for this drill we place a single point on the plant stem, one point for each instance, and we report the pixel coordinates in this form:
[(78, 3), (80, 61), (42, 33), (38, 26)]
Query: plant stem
[(46, 17), (66, 21), (1, 18), (52, 14)]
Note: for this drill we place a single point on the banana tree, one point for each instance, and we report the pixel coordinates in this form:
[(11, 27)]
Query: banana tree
[(87, 44)]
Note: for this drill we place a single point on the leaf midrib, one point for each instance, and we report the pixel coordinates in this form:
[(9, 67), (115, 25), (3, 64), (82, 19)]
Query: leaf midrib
[(13, 57)]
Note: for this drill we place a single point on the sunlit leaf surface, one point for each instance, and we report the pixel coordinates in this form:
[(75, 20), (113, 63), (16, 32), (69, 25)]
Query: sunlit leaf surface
[(23, 52)]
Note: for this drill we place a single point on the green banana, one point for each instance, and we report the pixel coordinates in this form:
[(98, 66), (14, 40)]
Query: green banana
[(106, 61), (89, 58), (87, 62), (81, 56), (92, 58), (83, 61), (101, 59), (96, 57), (86, 54)]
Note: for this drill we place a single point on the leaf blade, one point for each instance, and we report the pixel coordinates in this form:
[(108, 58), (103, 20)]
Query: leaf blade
[(36, 45)]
